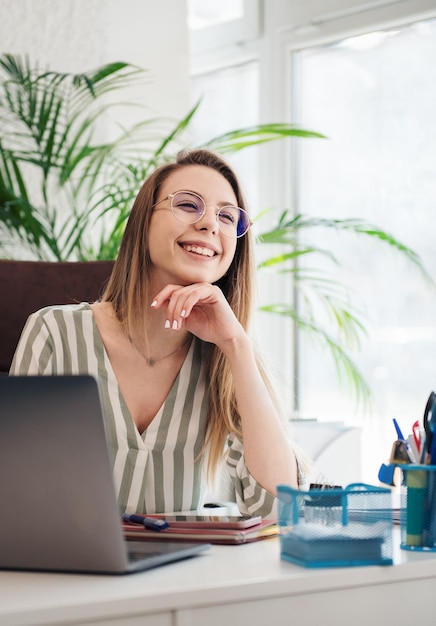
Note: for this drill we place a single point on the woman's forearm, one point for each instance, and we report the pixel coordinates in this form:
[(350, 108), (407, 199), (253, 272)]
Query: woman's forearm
[(268, 453)]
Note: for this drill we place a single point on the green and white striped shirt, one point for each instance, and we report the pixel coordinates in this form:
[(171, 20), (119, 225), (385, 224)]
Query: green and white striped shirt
[(160, 470)]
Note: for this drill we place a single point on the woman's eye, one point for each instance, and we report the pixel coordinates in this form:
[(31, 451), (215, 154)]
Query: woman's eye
[(188, 206), (228, 217)]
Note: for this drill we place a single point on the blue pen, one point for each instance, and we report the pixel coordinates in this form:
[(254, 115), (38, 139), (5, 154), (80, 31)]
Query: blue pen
[(404, 441), (148, 522), (398, 429)]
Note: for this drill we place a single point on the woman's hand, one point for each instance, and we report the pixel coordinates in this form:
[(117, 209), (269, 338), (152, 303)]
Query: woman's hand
[(201, 309)]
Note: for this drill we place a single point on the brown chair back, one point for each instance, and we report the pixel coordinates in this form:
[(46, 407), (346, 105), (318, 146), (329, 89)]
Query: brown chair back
[(26, 286)]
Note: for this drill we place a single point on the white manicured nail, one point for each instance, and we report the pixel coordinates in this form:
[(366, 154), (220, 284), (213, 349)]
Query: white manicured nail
[(167, 324), (154, 303), (175, 325), (183, 313)]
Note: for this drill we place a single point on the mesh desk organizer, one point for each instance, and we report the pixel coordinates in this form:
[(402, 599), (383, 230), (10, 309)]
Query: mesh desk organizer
[(336, 527)]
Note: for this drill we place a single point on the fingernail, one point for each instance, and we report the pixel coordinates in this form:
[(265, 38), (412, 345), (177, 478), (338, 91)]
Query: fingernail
[(154, 303), (175, 325), (167, 324), (183, 313)]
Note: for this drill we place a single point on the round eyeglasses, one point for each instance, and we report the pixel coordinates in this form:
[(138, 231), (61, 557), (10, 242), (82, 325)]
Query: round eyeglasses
[(188, 208)]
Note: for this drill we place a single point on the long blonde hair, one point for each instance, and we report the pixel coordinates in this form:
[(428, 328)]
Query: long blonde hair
[(128, 290)]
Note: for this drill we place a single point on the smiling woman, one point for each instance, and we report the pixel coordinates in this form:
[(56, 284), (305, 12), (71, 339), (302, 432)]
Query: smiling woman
[(186, 398)]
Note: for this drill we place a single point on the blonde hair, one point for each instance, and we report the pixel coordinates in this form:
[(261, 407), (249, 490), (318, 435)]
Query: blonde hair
[(128, 289)]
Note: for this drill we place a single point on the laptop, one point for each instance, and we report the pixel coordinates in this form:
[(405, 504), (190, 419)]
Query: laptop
[(59, 510)]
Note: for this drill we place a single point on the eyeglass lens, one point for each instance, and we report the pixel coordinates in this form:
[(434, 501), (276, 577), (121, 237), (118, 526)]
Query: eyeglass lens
[(189, 208)]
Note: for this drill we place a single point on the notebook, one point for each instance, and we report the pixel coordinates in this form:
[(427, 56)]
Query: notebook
[(219, 532), (59, 510)]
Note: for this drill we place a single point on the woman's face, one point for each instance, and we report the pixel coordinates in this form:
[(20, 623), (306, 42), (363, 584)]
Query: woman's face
[(184, 254)]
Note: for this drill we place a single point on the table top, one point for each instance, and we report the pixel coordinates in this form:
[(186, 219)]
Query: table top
[(220, 575)]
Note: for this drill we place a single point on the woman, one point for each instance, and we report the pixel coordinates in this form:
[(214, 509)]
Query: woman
[(168, 341)]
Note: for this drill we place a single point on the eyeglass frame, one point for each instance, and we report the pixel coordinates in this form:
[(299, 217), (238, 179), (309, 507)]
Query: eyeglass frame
[(170, 197)]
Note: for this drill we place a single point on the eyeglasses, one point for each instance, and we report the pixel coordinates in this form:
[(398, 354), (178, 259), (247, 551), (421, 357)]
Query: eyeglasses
[(188, 208)]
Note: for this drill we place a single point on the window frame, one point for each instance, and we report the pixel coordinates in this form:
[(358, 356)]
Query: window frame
[(231, 33)]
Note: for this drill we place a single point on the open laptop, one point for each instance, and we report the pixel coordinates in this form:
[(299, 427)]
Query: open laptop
[(59, 510)]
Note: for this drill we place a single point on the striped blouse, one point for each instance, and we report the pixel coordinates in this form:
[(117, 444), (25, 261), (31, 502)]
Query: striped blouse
[(161, 469)]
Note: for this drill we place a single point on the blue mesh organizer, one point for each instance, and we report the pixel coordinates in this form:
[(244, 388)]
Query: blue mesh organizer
[(336, 527)]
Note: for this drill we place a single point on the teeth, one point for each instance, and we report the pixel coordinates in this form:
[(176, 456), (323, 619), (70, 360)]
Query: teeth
[(199, 250)]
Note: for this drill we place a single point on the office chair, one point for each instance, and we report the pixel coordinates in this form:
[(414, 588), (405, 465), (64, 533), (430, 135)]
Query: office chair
[(26, 286)]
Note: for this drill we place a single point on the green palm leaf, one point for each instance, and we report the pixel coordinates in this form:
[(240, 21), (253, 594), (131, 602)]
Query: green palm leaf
[(320, 299), (255, 135), (347, 371)]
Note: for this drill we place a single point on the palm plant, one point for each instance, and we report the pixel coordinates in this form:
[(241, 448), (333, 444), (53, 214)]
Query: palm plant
[(65, 193), (53, 163), (315, 290)]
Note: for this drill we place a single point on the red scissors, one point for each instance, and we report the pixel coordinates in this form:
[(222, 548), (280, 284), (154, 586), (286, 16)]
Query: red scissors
[(416, 431)]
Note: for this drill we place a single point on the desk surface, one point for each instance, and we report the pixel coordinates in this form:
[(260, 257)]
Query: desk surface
[(246, 584)]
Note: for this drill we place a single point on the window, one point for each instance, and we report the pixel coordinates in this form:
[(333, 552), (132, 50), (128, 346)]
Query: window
[(216, 25), (364, 76), (203, 14), (374, 96)]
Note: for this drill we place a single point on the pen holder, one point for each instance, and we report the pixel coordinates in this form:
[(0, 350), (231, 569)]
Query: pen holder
[(418, 507), (336, 527)]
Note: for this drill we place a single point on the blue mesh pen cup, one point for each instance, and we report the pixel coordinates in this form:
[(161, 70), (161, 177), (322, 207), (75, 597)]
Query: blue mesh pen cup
[(418, 507)]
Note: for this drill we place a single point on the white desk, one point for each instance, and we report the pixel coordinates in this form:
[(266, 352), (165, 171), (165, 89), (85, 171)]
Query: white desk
[(242, 585)]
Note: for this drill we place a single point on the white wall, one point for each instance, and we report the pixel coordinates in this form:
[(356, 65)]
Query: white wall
[(80, 35)]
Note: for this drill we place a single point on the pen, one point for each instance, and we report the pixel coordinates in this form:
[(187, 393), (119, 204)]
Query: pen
[(409, 454), (398, 429), (148, 522)]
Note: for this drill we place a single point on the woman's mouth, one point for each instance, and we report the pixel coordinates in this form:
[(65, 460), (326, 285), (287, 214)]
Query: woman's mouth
[(201, 250)]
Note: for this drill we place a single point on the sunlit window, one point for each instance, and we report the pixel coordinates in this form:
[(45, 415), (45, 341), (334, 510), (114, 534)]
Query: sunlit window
[(374, 96), (215, 25)]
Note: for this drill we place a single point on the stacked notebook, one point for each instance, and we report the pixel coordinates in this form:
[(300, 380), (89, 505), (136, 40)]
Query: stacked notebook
[(217, 530)]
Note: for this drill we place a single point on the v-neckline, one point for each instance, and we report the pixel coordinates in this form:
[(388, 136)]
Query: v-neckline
[(153, 425)]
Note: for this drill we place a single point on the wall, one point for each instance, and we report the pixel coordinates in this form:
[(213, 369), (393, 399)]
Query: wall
[(79, 35)]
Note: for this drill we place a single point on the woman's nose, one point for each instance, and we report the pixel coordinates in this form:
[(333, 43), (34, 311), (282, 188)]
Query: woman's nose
[(209, 219)]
